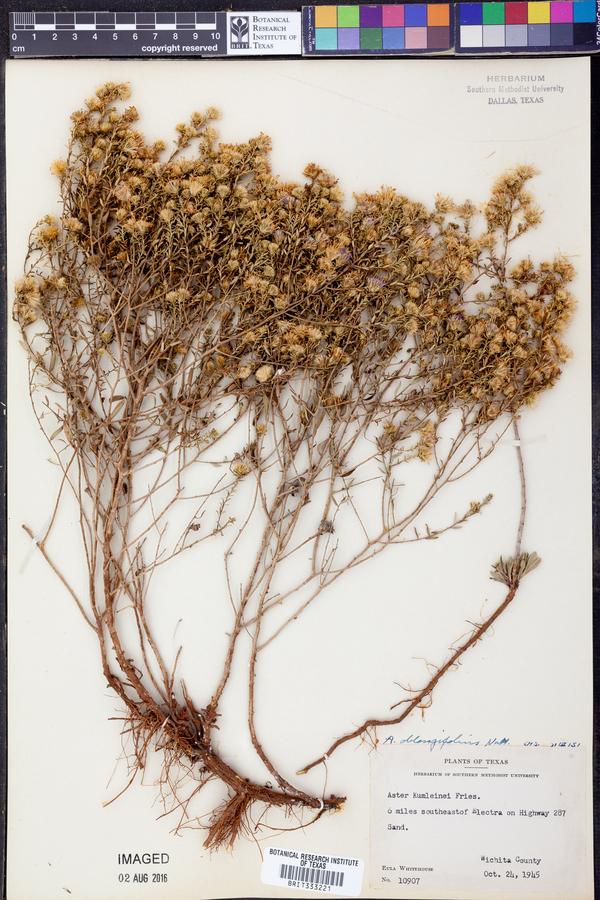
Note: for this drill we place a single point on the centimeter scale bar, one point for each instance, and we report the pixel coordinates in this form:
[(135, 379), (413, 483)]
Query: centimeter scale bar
[(92, 21), (118, 34)]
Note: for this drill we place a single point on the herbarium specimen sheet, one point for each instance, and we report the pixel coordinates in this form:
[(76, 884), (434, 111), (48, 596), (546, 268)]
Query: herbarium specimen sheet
[(393, 524)]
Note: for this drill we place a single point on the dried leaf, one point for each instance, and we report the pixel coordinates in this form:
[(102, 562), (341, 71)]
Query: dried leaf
[(503, 570), (116, 411)]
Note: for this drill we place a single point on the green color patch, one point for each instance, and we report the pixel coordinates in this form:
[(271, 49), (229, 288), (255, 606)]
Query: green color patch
[(493, 13), (348, 16), (371, 39)]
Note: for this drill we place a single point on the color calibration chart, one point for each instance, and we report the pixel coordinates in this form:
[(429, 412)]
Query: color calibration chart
[(403, 26), (555, 25), (378, 30), (542, 26)]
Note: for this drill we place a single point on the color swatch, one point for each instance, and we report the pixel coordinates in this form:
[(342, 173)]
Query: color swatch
[(509, 26), (547, 25), (381, 30)]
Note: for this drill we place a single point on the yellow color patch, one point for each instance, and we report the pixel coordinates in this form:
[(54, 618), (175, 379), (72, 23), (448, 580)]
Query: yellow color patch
[(538, 13)]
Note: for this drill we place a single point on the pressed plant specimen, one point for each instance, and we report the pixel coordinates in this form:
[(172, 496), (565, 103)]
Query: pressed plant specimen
[(218, 356)]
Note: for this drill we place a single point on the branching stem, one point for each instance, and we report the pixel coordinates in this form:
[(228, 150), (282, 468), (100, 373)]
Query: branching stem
[(475, 636), (316, 358)]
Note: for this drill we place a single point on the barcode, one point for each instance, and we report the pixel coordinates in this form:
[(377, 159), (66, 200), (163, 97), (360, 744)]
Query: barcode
[(312, 876)]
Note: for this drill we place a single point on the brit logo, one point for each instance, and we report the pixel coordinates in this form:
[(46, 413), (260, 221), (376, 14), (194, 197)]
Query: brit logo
[(239, 30)]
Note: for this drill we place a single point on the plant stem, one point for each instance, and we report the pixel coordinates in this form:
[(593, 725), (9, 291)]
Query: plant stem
[(476, 635)]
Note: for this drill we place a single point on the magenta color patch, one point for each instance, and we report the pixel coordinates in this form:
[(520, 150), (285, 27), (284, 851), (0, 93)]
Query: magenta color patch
[(393, 16), (561, 11)]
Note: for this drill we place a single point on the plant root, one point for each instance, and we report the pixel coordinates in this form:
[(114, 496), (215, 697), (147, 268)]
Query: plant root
[(185, 748)]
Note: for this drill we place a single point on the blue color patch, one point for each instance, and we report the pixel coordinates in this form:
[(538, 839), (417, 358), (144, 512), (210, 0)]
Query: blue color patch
[(471, 14), (393, 38), (584, 11)]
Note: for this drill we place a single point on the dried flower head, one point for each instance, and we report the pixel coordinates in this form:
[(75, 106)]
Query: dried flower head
[(264, 374), (166, 286)]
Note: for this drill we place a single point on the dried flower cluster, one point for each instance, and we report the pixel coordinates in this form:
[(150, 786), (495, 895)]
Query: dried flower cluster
[(191, 303)]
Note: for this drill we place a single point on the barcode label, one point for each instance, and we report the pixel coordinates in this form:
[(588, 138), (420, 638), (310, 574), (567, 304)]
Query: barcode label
[(304, 871), (313, 876)]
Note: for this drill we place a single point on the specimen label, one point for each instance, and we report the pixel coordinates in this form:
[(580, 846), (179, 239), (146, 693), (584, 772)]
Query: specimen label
[(312, 871), (260, 33), (479, 818)]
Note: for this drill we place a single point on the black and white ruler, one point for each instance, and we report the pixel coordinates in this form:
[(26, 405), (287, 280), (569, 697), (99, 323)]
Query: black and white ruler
[(148, 34)]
